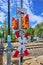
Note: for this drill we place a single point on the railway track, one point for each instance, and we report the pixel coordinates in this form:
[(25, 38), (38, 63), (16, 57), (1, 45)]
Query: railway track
[(35, 51), (34, 46)]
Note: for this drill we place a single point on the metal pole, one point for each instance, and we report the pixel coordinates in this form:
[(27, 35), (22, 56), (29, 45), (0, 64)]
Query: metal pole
[(21, 2), (8, 53), (8, 17), (21, 51)]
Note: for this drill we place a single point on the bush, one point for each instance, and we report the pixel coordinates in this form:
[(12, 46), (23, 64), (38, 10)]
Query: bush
[(13, 38)]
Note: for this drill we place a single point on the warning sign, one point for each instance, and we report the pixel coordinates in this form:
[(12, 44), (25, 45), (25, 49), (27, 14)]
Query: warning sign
[(21, 12)]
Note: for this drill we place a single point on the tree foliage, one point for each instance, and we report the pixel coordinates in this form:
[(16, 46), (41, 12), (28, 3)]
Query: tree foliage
[(39, 30), (30, 31)]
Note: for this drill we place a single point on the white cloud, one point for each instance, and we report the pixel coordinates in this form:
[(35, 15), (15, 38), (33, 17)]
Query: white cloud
[(36, 18), (42, 13), (1, 1), (32, 17), (26, 4), (5, 7), (0, 25), (30, 2), (2, 17)]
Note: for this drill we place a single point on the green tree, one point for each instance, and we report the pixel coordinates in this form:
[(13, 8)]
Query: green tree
[(31, 31), (13, 37), (4, 30), (39, 30)]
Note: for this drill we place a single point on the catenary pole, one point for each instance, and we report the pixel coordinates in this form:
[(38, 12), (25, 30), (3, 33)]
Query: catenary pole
[(8, 53), (8, 17)]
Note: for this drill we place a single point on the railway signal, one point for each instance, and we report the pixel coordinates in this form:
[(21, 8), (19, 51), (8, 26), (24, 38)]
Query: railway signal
[(14, 23), (25, 21)]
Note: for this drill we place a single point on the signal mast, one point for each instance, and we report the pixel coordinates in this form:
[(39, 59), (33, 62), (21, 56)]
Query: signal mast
[(22, 24)]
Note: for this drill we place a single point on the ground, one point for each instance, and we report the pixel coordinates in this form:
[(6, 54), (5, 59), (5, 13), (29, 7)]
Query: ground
[(35, 58)]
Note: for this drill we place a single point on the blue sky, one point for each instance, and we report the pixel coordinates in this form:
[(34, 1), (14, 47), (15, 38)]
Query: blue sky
[(34, 10)]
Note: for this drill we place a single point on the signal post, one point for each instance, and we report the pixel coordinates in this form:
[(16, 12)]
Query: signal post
[(23, 23)]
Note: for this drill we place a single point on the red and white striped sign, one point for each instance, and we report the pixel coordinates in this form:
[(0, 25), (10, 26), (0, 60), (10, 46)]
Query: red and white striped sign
[(25, 52)]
